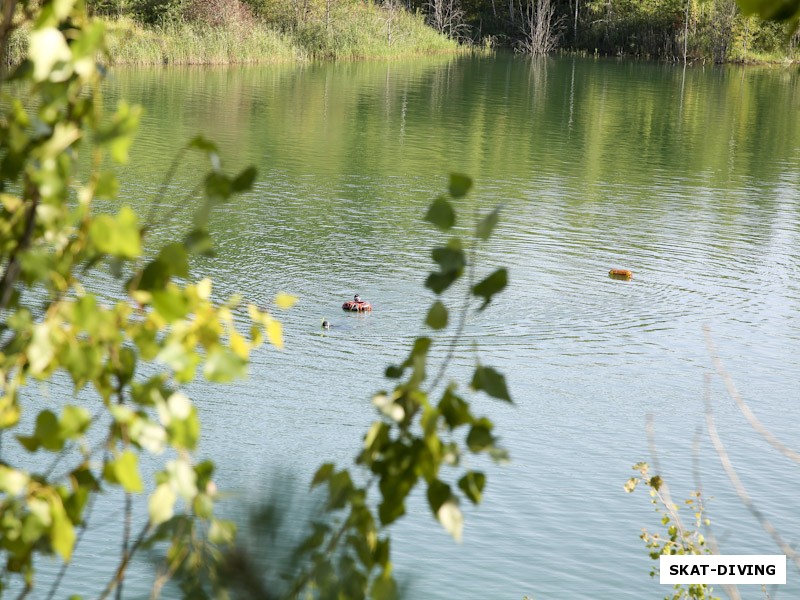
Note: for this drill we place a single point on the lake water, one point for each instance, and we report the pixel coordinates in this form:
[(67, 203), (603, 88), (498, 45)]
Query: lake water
[(688, 177)]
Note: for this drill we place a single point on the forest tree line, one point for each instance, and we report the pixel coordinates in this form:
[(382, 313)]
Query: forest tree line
[(685, 30)]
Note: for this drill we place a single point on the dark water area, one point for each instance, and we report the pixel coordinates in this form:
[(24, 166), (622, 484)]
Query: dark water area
[(687, 176)]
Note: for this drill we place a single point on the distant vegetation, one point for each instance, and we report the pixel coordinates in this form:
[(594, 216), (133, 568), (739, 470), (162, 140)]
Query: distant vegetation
[(692, 30), (231, 31), (246, 31)]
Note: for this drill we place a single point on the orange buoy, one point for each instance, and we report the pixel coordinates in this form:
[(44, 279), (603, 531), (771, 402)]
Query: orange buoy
[(354, 306), (620, 274), (357, 305)]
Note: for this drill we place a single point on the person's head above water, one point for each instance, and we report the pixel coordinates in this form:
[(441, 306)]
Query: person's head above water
[(326, 325), (356, 298)]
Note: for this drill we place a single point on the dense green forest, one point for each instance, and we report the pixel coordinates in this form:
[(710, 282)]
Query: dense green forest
[(692, 30)]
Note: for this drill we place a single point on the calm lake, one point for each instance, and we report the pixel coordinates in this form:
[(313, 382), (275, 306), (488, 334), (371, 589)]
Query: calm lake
[(688, 177)]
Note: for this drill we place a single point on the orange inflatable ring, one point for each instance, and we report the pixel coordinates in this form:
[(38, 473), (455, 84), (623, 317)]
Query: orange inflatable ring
[(620, 273), (354, 306)]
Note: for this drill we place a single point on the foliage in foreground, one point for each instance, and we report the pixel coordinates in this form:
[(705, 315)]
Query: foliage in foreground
[(680, 538), (125, 353)]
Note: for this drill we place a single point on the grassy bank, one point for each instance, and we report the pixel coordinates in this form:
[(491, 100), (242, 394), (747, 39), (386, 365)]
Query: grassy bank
[(352, 31), (197, 44)]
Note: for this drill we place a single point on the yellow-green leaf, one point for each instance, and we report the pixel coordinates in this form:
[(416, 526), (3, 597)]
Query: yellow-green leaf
[(285, 301), (126, 470), (161, 505)]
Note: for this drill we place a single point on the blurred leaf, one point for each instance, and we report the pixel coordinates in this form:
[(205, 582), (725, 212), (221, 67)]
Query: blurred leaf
[(161, 505), (437, 316), (74, 421), (773, 10), (223, 365), (490, 381), (124, 470), (107, 185), (62, 533), (439, 282), (244, 180), (490, 286), (200, 143), (438, 493), (199, 242), (479, 438), (454, 409), (285, 301), (450, 258), (322, 475), (218, 187), (441, 214), (459, 185), (452, 520), (118, 236), (487, 224), (472, 485)]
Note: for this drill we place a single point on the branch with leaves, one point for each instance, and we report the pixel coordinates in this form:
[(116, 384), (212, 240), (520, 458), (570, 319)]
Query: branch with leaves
[(162, 323)]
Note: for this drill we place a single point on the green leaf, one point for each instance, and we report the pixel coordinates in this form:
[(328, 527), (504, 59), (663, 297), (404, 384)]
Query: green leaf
[(175, 257), (118, 236), (218, 187), (161, 505), (486, 225), (74, 422), (340, 488), (773, 10), (185, 433), (439, 282), (437, 316), (454, 409), (171, 303), (223, 365), (479, 438), (201, 143), (452, 520), (394, 372), (48, 431), (107, 185), (438, 493), (490, 381), (125, 471), (490, 286), (441, 214), (459, 185), (323, 474), (244, 180), (199, 242), (62, 533), (222, 533), (472, 485), (450, 258)]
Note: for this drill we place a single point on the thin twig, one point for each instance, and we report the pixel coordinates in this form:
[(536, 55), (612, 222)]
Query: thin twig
[(24, 593), (78, 538), (733, 476), (730, 590), (119, 575), (663, 489), (462, 321), (14, 268), (159, 195), (737, 397), (126, 536)]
